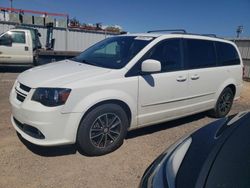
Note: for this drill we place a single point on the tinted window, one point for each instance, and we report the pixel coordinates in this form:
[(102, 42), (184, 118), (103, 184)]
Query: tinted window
[(168, 53), (18, 37), (199, 53), (227, 54)]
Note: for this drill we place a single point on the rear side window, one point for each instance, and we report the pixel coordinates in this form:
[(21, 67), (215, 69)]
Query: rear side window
[(227, 54), (199, 54)]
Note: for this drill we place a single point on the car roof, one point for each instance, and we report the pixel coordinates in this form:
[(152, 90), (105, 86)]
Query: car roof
[(144, 34), (182, 35)]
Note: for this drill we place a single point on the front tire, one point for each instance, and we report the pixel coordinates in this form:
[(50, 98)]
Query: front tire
[(102, 130), (223, 104)]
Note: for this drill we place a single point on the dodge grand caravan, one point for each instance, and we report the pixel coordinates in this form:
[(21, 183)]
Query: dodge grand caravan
[(122, 83)]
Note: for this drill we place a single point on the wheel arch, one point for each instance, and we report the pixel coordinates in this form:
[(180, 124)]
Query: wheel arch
[(84, 140), (121, 103), (232, 87), (215, 112), (231, 83)]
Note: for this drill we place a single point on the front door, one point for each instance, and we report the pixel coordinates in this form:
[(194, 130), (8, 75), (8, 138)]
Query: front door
[(19, 51), (162, 95)]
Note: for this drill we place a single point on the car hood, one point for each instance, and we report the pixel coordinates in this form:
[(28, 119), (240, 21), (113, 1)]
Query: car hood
[(59, 73)]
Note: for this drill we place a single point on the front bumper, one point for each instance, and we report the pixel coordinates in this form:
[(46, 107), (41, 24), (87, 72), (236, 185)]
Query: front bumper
[(57, 128)]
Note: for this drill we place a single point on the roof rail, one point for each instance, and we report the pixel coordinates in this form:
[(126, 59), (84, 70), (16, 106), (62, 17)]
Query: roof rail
[(168, 30), (208, 35), (181, 31)]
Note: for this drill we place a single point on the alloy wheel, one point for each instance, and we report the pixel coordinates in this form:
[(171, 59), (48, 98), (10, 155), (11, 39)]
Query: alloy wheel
[(225, 102), (105, 130)]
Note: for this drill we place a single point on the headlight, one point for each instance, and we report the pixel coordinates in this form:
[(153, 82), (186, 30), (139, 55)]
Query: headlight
[(51, 96)]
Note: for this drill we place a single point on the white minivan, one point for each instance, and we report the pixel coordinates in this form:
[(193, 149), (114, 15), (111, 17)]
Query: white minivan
[(122, 83)]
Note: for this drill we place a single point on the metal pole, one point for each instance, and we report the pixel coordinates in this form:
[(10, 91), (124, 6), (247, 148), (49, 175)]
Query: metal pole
[(239, 30), (11, 4), (66, 38)]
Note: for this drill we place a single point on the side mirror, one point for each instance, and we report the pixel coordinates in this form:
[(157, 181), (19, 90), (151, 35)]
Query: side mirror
[(150, 66), (6, 40)]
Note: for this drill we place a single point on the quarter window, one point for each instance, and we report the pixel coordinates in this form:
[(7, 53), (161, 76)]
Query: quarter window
[(199, 54), (227, 55)]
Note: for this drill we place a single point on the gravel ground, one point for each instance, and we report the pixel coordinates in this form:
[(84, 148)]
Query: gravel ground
[(25, 165)]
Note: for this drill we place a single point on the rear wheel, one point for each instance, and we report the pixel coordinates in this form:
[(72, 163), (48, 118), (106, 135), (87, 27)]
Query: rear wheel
[(102, 130), (223, 104)]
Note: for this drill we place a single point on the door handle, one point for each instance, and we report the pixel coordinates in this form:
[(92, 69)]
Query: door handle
[(195, 77), (26, 48), (181, 79), (1, 52)]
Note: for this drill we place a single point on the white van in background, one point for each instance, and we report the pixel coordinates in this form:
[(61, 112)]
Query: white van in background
[(123, 83)]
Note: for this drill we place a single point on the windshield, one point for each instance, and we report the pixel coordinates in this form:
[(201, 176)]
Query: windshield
[(113, 52)]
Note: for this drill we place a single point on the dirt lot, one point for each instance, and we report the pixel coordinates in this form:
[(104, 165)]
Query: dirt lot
[(26, 165)]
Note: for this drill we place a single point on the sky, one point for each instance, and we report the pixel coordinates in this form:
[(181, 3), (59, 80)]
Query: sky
[(220, 17)]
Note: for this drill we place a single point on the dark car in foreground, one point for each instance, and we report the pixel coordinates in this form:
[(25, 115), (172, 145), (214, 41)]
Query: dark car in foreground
[(215, 156)]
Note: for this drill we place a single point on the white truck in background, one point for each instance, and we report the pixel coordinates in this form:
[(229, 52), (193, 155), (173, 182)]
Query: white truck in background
[(21, 45)]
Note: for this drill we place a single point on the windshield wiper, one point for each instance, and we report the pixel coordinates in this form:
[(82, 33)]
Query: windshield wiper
[(75, 59), (85, 61), (89, 63), (82, 61)]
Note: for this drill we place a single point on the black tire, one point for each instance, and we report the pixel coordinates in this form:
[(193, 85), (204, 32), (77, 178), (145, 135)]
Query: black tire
[(223, 104), (102, 130)]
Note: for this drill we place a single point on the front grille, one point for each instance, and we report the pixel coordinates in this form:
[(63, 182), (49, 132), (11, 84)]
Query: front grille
[(31, 131), (20, 97), (22, 92), (24, 87)]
